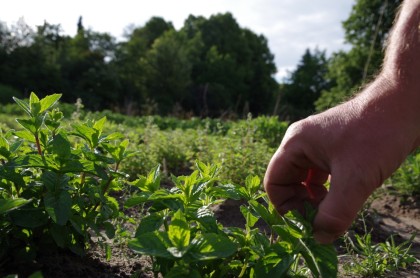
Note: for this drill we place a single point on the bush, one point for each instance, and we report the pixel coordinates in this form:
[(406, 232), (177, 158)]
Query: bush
[(54, 192)]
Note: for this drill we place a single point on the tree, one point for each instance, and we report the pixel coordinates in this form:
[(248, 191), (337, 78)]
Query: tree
[(129, 62), (366, 30), (168, 70), (87, 71), (234, 67), (304, 86)]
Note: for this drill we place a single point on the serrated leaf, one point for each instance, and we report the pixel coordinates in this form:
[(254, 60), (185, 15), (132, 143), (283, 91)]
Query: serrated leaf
[(179, 231), (24, 105), (26, 135), (7, 205), (253, 184), (152, 244), (211, 246), (205, 216), (270, 217), (53, 181), (48, 101), (85, 132), (99, 125), (35, 160), (150, 223), (273, 265), (34, 104), (3, 142), (58, 206), (61, 146), (28, 124), (115, 136), (138, 199), (321, 259), (228, 191), (250, 218)]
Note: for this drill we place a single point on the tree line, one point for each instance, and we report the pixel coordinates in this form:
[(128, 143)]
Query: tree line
[(211, 67)]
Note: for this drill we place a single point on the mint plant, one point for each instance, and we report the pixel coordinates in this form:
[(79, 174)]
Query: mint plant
[(55, 182), (184, 239)]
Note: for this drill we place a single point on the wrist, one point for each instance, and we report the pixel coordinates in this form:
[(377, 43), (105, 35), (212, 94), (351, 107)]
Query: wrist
[(397, 103)]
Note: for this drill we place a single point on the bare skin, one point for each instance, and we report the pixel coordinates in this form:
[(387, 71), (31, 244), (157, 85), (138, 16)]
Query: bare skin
[(357, 144)]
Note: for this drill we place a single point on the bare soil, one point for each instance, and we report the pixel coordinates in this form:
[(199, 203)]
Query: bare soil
[(387, 215)]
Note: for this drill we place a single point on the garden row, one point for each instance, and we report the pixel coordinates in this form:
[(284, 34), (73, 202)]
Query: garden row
[(67, 180)]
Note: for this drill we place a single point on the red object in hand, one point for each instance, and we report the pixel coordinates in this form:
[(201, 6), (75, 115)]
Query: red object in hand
[(307, 183)]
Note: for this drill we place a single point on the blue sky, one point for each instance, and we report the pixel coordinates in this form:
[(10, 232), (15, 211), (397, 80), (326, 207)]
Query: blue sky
[(290, 26)]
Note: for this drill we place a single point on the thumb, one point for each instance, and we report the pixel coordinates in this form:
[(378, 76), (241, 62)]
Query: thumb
[(339, 208)]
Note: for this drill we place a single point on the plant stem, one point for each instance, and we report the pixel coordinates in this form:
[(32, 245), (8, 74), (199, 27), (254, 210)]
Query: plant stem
[(38, 145), (244, 267)]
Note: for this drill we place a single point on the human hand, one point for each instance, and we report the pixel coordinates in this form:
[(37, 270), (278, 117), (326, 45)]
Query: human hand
[(357, 144)]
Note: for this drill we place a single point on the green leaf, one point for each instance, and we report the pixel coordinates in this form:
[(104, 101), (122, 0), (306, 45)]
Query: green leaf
[(34, 105), (270, 217), (24, 105), (26, 135), (250, 218), (37, 274), (99, 125), (7, 205), (150, 223), (61, 146), (152, 244), (179, 231), (35, 160), (253, 184), (205, 216), (151, 183), (229, 191), (49, 101), (3, 141), (58, 205), (287, 233), (138, 199), (273, 265), (321, 259), (29, 124), (211, 246), (85, 132), (78, 223), (54, 182), (60, 235), (29, 218)]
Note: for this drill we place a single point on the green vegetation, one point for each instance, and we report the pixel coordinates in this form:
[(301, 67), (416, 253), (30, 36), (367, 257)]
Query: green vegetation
[(55, 189), (183, 237), (376, 260), (63, 183)]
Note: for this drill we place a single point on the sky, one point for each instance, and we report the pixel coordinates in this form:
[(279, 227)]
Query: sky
[(291, 26)]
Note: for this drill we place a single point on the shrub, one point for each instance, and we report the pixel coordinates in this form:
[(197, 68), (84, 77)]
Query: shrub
[(54, 192)]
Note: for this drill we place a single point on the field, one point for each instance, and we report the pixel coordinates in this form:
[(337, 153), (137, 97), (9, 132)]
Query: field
[(105, 195)]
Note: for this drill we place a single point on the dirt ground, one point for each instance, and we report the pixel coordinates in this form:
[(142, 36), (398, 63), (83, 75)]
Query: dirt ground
[(387, 215)]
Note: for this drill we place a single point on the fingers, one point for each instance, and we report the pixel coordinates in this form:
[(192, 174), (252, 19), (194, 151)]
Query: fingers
[(339, 208), (290, 186)]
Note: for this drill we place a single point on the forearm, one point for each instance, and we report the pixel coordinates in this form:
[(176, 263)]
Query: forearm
[(396, 91), (402, 56)]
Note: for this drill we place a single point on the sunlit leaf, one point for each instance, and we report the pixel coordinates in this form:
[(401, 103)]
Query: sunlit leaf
[(7, 205), (49, 101)]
